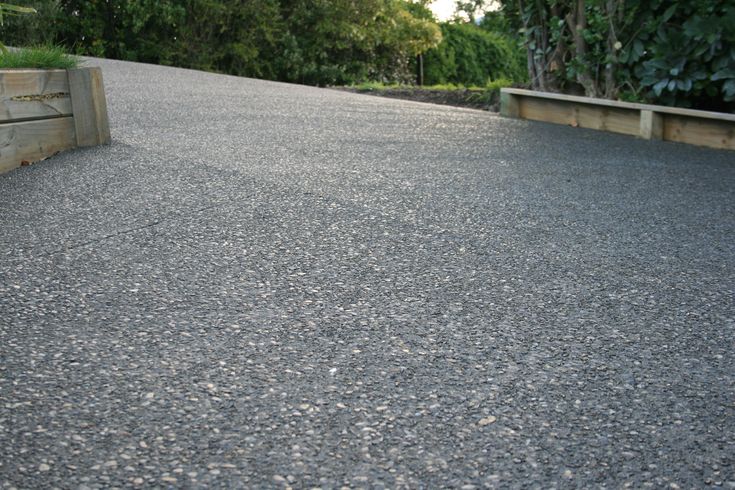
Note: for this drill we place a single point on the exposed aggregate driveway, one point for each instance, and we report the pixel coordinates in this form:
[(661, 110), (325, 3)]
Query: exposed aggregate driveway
[(268, 285)]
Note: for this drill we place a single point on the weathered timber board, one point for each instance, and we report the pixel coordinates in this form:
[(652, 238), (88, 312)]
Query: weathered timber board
[(34, 94), (703, 132), (34, 140), (623, 121), (678, 111)]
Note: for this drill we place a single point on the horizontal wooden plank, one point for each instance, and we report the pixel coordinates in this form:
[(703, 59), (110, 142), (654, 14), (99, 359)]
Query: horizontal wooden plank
[(702, 132), (617, 120), (28, 108), (34, 140), (620, 105), (34, 94)]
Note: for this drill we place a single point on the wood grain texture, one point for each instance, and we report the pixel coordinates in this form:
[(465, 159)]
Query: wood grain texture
[(509, 105), (702, 132), (712, 129), (34, 94), (652, 125), (620, 105), (580, 115), (615, 120), (89, 106), (34, 140)]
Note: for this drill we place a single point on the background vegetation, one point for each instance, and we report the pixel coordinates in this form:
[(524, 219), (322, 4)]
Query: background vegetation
[(319, 42), (679, 52), (674, 52)]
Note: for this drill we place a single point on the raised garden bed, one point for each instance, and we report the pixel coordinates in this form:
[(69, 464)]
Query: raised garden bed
[(712, 129), (43, 112)]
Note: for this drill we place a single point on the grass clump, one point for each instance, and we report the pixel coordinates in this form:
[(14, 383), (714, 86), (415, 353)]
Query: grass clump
[(46, 57)]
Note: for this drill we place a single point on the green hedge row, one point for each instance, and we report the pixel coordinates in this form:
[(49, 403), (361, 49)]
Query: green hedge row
[(469, 55), (317, 42)]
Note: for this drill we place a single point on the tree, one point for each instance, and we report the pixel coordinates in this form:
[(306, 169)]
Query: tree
[(344, 41), (468, 9), (677, 53), (469, 55)]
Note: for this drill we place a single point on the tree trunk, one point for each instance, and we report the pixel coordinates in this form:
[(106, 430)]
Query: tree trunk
[(611, 86), (420, 70), (577, 24)]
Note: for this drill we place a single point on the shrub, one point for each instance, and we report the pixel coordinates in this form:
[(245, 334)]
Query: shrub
[(469, 55)]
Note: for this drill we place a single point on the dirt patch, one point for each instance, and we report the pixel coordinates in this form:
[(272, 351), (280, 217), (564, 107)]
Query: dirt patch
[(486, 100)]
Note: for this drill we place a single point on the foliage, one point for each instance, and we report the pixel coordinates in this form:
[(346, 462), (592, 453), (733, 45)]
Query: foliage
[(38, 57), (136, 30), (685, 54), (309, 41), (676, 53), (241, 38), (27, 30), (469, 55), (9, 9), (466, 10), (343, 41), (500, 22)]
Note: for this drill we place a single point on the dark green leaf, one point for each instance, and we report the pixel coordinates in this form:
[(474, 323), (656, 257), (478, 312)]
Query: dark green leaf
[(722, 74), (660, 85), (638, 48), (729, 88), (669, 12), (15, 8)]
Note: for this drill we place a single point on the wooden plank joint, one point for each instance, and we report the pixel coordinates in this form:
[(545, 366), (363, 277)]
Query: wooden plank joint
[(509, 106), (652, 122), (652, 125)]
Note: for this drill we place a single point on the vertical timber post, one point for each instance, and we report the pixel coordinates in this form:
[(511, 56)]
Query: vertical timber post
[(652, 125), (509, 105), (89, 106)]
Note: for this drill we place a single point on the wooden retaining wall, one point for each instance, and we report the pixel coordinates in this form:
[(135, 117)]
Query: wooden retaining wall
[(43, 112), (712, 129)]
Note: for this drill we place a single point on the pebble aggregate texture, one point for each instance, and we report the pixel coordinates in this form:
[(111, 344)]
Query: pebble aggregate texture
[(267, 285)]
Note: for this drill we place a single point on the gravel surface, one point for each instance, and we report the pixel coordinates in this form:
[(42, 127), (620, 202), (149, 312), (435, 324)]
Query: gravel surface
[(268, 285)]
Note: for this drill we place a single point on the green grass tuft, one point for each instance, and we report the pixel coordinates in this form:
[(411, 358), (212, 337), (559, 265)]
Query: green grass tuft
[(47, 57)]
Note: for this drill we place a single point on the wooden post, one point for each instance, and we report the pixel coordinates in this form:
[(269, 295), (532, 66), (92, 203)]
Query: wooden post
[(89, 106), (509, 106), (652, 125)]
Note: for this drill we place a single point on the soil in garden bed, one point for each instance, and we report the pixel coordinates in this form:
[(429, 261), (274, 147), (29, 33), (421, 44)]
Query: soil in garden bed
[(486, 100)]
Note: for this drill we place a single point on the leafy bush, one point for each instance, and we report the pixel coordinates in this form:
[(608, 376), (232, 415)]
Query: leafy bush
[(679, 52), (469, 55), (317, 42), (21, 30), (684, 55)]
